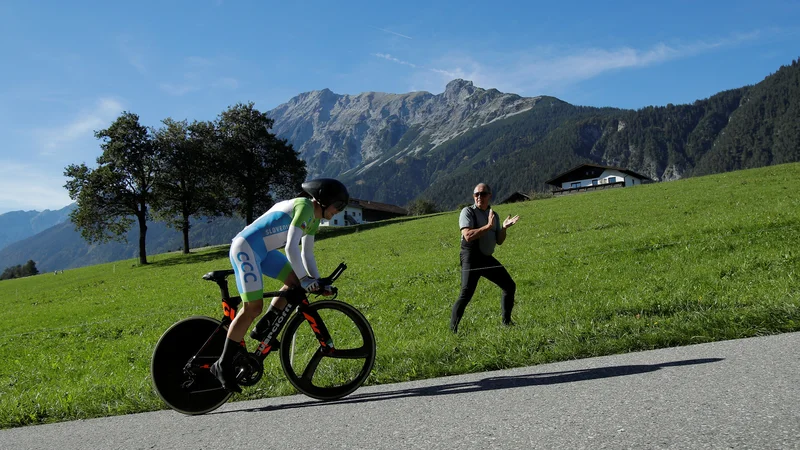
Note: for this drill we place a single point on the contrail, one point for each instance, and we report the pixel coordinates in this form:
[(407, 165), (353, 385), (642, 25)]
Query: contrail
[(392, 32)]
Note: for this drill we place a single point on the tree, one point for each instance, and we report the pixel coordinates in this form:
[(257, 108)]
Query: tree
[(117, 193), (20, 271), (421, 207), (188, 183), (289, 171), (30, 268), (258, 166)]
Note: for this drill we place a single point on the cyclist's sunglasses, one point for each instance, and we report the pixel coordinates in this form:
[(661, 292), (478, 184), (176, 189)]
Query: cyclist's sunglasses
[(339, 205), (481, 194)]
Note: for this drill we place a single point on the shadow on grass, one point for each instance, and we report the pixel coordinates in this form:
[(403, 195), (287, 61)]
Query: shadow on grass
[(494, 383), (191, 258)]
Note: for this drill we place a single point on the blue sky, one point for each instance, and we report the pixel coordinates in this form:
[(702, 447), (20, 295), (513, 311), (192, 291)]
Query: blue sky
[(70, 68)]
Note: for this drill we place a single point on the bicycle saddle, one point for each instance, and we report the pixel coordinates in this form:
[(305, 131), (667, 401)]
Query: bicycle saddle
[(218, 275)]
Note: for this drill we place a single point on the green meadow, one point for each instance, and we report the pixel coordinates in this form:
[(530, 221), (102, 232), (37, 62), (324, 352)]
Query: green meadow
[(666, 264)]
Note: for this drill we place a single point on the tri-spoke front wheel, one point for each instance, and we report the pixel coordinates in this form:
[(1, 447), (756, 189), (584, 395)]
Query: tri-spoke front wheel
[(328, 350)]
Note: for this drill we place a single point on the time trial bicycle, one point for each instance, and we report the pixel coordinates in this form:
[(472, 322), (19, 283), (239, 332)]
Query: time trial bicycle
[(327, 349)]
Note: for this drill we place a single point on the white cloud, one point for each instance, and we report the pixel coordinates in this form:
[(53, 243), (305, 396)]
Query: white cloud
[(199, 74), (177, 89), (535, 71), (389, 57), (133, 53), (226, 83), (26, 187), (198, 61), (32, 176), (84, 125)]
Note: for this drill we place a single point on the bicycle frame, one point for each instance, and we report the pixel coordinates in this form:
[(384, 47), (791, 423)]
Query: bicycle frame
[(183, 357), (296, 300)]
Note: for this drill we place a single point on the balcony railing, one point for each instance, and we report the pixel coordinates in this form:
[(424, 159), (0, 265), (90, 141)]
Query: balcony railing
[(593, 187)]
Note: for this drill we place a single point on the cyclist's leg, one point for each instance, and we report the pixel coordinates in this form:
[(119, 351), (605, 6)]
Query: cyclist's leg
[(469, 281), (274, 265), (246, 259), (497, 274), (247, 271)]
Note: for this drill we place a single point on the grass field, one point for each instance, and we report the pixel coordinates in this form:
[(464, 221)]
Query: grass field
[(607, 272)]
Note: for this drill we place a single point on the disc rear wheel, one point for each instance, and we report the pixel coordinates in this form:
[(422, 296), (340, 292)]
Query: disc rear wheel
[(180, 371)]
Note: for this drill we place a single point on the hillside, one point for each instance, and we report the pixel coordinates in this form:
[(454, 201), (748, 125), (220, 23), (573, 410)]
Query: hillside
[(62, 247), (666, 264), (18, 225)]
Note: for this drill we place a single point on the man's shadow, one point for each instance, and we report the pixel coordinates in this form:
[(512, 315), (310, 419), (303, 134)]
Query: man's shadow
[(492, 383)]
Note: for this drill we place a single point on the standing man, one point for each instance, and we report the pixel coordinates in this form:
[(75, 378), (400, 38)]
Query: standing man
[(480, 232)]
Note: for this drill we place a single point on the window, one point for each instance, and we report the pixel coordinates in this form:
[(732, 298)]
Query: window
[(612, 179), (576, 185), (594, 182), (336, 221)]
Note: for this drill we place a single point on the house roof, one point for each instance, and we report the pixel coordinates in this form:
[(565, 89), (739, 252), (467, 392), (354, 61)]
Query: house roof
[(375, 206), (516, 197), (585, 171)]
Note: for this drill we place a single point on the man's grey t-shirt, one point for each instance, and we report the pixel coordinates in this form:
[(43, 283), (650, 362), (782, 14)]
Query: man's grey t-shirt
[(474, 217)]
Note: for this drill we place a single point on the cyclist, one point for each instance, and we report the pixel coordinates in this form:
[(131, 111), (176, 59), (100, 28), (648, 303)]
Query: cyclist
[(255, 252)]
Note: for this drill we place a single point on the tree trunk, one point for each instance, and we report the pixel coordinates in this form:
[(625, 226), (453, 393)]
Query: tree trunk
[(142, 238), (248, 212), (185, 235)]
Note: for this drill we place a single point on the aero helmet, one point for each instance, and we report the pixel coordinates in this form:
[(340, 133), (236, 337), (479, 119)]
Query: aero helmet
[(327, 192)]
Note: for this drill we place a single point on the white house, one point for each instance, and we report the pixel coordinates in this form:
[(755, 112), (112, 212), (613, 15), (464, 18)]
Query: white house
[(588, 177), (364, 211)]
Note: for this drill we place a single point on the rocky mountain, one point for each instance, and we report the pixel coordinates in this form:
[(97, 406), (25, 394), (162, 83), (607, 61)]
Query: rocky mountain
[(394, 148), (346, 134)]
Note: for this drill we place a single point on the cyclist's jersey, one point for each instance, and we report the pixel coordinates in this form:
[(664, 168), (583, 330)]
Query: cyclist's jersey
[(255, 250), (273, 225)]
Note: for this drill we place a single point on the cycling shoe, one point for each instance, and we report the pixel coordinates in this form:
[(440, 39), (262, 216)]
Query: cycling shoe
[(225, 377)]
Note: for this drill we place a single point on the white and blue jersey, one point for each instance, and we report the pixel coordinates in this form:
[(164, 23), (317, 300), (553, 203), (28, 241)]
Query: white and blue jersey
[(255, 251)]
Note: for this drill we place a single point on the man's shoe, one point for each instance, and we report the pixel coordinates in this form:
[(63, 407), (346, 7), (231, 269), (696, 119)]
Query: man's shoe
[(225, 377), (509, 323)]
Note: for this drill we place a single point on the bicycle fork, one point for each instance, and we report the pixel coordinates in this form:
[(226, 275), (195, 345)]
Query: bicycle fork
[(313, 319)]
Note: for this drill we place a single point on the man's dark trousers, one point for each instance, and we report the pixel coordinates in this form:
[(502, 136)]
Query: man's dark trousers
[(475, 265)]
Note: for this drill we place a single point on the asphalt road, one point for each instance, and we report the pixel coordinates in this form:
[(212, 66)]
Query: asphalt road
[(742, 394)]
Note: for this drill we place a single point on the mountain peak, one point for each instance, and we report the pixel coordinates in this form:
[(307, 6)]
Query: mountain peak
[(458, 84), (459, 89)]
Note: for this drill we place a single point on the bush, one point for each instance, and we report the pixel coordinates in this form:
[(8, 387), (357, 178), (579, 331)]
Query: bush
[(20, 271)]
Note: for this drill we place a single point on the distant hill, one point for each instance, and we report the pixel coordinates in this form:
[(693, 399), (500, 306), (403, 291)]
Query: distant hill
[(61, 247), (18, 225)]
